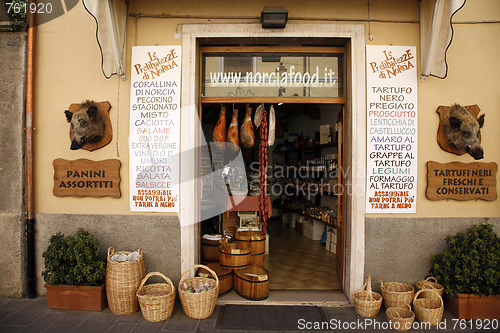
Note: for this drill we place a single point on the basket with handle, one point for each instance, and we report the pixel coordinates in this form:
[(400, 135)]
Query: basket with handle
[(198, 305), (122, 280), (156, 299), (428, 284), (401, 318), (428, 309), (367, 302), (396, 293)]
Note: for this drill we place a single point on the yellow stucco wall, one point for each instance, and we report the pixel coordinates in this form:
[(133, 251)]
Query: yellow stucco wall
[(68, 71)]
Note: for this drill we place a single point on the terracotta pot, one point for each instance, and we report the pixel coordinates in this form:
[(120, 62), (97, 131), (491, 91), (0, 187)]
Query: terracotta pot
[(76, 297), (468, 306)]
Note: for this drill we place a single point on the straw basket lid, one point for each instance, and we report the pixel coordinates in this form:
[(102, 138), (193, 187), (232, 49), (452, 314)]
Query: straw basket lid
[(428, 309), (367, 302), (199, 305), (428, 284)]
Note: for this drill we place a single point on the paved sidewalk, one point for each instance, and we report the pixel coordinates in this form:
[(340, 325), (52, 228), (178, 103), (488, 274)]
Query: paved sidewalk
[(33, 315)]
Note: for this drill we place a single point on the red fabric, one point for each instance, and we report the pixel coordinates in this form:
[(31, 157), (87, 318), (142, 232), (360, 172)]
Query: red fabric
[(247, 203)]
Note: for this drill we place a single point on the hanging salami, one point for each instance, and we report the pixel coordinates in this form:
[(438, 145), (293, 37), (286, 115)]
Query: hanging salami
[(247, 138), (263, 172), (272, 126), (258, 115), (232, 132), (220, 135)]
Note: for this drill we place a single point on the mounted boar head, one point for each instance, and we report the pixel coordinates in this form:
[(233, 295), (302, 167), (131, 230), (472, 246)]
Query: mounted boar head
[(87, 124), (461, 131)]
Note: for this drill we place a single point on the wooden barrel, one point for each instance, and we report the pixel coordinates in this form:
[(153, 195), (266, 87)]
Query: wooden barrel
[(258, 243), (254, 238), (235, 255), (258, 259), (252, 282), (225, 276), (209, 247)]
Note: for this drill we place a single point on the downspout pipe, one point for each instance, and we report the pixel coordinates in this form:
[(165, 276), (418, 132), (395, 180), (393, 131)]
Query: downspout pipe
[(30, 196)]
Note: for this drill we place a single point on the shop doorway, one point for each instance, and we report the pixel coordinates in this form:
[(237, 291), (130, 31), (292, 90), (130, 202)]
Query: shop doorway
[(194, 37), (303, 87)]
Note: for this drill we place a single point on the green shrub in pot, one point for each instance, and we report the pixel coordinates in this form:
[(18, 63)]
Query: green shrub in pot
[(470, 263), (74, 260)]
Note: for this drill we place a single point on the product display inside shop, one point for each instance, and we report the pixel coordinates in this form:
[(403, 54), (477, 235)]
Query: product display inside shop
[(272, 192)]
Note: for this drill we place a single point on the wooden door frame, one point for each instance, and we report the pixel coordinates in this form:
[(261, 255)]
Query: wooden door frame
[(355, 131)]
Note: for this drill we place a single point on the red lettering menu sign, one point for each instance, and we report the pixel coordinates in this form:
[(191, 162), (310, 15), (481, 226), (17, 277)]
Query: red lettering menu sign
[(391, 180), (154, 128)]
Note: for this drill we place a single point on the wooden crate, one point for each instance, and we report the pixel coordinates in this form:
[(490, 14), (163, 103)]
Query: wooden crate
[(229, 224), (467, 306)]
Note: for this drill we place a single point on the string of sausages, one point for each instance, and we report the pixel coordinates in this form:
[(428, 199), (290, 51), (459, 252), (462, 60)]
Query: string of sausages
[(263, 146)]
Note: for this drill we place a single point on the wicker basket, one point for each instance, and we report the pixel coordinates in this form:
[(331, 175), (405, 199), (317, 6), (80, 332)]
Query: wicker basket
[(367, 303), (156, 299), (122, 280), (401, 318), (426, 284), (396, 293), (430, 309), (199, 305)]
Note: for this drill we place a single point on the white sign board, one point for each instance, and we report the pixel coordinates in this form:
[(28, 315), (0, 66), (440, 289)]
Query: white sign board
[(155, 128), (391, 75)]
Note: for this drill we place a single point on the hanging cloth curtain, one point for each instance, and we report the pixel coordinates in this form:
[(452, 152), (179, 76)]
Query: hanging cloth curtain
[(436, 33), (111, 19)]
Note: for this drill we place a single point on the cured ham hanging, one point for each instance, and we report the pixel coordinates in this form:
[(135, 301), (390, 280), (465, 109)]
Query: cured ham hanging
[(232, 132), (220, 135), (247, 138)]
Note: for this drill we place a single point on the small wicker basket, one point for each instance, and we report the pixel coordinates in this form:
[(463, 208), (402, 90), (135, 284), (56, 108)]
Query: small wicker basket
[(396, 293), (367, 302), (122, 280), (401, 318), (199, 305), (156, 299), (427, 284), (429, 309)]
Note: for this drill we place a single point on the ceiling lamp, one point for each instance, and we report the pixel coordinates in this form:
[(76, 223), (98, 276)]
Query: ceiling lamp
[(274, 17)]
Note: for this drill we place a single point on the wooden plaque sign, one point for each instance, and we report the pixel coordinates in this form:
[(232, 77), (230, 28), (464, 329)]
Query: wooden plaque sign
[(461, 181), (86, 178)]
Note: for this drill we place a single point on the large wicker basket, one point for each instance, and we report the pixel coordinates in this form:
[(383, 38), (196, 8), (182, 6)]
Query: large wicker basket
[(156, 299), (429, 309), (199, 305), (367, 302), (122, 280), (396, 293), (427, 284), (401, 318)]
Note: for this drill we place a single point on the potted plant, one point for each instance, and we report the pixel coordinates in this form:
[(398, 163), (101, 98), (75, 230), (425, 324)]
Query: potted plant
[(469, 269), (74, 273)]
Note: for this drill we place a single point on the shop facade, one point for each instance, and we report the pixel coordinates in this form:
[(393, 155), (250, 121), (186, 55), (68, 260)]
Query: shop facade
[(392, 245)]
